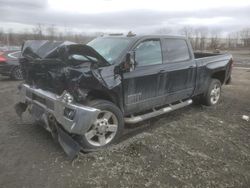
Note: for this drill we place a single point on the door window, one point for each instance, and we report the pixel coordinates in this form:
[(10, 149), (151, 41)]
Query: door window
[(175, 50), (148, 53)]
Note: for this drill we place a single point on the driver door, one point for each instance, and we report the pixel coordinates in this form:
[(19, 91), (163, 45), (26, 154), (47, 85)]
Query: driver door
[(141, 84)]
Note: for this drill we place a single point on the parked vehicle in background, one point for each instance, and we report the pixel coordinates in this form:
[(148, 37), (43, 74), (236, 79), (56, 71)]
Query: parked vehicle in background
[(9, 64), (84, 94)]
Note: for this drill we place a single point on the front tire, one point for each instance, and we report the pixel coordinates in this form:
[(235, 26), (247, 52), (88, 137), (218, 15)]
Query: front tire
[(107, 128), (213, 93)]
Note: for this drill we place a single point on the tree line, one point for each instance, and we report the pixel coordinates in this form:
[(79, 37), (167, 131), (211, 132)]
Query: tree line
[(201, 38), (41, 32), (204, 39)]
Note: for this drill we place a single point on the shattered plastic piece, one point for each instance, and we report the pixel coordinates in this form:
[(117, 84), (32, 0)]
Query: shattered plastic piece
[(69, 145), (20, 108), (245, 117)]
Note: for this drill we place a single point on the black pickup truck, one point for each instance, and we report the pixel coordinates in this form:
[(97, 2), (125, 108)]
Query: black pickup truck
[(83, 94)]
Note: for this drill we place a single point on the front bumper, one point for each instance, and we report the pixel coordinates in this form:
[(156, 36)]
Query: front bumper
[(44, 104)]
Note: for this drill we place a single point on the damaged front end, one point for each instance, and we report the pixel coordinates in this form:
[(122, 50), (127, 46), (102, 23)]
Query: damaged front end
[(58, 77), (58, 114)]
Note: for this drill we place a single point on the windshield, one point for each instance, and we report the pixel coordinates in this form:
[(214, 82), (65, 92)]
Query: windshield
[(110, 48)]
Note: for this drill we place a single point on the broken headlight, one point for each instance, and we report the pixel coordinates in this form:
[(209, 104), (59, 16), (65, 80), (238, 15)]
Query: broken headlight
[(67, 97)]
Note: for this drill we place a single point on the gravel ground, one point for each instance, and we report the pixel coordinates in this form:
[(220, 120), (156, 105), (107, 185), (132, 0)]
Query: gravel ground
[(241, 57), (196, 146)]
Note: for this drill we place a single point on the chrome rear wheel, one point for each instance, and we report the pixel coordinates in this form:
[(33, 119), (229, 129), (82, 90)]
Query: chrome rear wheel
[(215, 94)]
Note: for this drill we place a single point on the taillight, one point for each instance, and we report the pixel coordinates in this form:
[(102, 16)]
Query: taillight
[(2, 58)]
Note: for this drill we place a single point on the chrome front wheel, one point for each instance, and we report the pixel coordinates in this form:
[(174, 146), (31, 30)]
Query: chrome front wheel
[(104, 129)]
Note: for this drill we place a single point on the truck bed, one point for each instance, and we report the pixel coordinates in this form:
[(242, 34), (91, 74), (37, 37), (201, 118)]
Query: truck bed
[(198, 55), (204, 58), (210, 63)]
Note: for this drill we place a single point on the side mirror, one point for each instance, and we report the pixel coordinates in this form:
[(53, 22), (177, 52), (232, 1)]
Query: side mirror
[(129, 64)]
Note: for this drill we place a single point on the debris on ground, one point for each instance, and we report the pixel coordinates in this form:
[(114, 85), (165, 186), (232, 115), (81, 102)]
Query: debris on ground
[(245, 117)]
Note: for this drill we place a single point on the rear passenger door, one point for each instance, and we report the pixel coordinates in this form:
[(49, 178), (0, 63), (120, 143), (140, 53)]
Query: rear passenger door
[(141, 84), (177, 81)]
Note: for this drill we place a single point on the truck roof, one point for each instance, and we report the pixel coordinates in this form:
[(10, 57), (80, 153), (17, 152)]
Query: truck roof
[(146, 36)]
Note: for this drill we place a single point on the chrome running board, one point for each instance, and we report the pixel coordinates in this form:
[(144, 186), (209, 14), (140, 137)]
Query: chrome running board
[(154, 113)]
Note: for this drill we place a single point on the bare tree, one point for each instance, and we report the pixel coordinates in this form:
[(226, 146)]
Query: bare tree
[(196, 39), (187, 31), (51, 30), (9, 38), (163, 31), (233, 40), (1, 36), (245, 37), (214, 42), (38, 31), (203, 37)]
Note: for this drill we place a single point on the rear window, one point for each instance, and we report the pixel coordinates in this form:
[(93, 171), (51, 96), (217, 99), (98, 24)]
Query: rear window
[(175, 50)]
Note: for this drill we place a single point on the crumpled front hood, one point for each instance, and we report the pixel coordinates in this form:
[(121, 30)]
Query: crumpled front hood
[(46, 65), (44, 49)]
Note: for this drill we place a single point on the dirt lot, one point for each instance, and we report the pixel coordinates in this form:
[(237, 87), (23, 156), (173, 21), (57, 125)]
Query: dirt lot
[(196, 146), (241, 57)]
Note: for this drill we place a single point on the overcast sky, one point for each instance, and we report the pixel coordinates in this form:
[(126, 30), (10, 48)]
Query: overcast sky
[(140, 16)]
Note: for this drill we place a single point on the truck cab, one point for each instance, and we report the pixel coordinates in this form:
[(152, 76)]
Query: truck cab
[(164, 70)]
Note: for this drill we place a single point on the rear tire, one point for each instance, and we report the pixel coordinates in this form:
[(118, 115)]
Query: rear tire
[(16, 73), (213, 93), (107, 128)]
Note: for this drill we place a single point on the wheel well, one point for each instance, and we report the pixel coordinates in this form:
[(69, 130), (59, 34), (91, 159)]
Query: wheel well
[(96, 94), (220, 76)]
